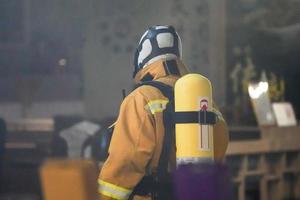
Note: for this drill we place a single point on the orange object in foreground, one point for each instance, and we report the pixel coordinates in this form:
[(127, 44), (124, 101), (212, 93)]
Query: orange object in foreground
[(69, 179)]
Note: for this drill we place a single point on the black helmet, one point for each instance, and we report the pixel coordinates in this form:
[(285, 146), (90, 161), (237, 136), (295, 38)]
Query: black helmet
[(156, 43)]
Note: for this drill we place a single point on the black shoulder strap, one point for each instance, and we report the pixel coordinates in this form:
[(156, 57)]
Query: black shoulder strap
[(165, 89), (169, 124), (169, 140)]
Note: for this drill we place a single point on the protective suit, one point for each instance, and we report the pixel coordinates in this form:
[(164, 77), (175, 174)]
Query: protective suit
[(139, 131)]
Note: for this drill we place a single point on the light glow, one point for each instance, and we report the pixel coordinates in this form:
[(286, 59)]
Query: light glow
[(257, 89)]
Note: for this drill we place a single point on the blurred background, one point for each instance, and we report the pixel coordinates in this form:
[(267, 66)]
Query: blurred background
[(67, 62)]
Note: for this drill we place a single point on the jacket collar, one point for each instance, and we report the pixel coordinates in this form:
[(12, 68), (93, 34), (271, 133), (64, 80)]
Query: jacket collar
[(157, 70)]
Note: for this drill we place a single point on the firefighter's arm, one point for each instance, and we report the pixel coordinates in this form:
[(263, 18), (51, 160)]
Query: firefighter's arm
[(130, 150), (221, 135)]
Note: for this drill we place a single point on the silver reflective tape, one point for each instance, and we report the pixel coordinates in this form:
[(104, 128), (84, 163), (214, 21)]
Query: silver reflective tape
[(114, 191), (193, 160), (157, 105)]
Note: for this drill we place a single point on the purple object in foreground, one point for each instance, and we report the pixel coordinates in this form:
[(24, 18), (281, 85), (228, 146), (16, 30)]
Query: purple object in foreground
[(202, 181)]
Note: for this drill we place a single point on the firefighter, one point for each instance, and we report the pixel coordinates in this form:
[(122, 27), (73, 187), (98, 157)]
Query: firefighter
[(137, 139)]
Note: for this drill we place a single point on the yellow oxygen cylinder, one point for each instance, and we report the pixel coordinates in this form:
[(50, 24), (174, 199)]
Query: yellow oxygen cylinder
[(194, 141)]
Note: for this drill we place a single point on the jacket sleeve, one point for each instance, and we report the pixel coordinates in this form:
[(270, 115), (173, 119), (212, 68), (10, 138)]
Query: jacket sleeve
[(130, 150), (221, 135)]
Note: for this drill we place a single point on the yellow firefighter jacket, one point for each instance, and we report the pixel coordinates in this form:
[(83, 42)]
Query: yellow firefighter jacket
[(137, 139)]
